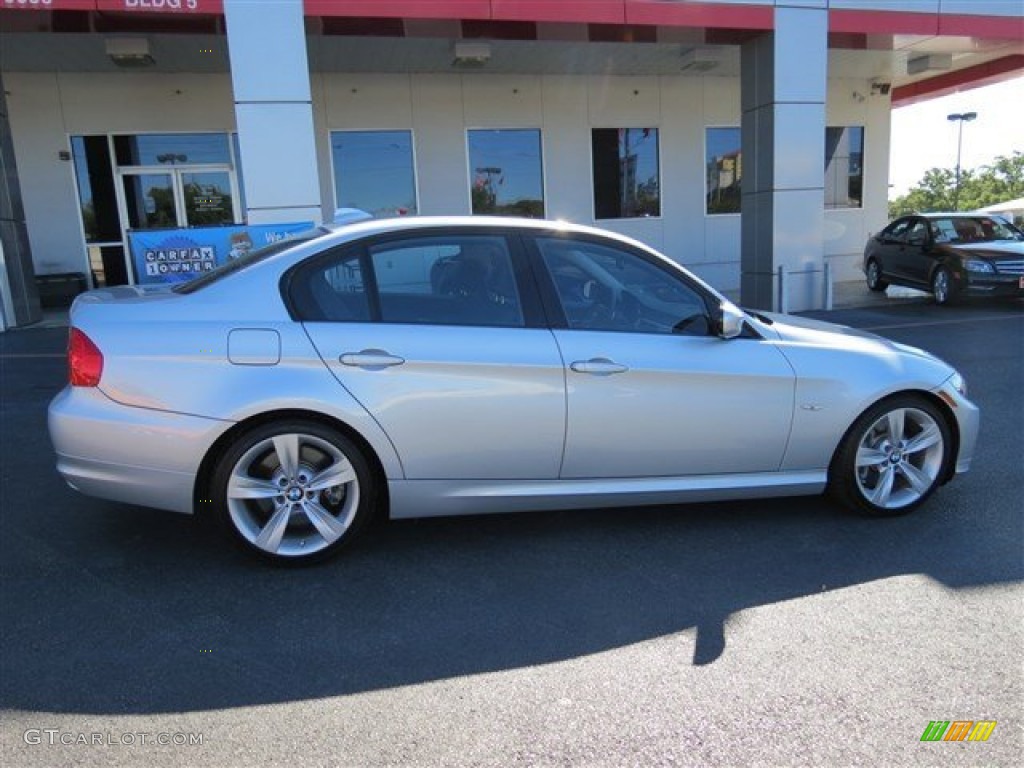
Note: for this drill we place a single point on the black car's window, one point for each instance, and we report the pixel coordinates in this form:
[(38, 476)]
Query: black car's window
[(897, 230), (458, 279), (332, 290), (972, 229), (604, 288), (917, 233)]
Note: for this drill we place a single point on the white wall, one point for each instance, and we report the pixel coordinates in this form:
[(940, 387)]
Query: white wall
[(47, 108)]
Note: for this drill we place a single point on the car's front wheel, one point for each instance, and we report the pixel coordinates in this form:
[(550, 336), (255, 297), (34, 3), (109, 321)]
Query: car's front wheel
[(874, 277), (943, 288), (293, 491), (892, 458)]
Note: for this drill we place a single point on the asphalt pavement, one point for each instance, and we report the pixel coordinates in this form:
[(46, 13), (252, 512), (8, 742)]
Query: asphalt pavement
[(783, 632)]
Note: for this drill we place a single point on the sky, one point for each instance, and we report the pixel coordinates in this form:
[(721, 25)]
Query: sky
[(922, 137)]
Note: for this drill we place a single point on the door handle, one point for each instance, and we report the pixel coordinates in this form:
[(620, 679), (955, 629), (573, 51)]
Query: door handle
[(370, 358), (598, 366)]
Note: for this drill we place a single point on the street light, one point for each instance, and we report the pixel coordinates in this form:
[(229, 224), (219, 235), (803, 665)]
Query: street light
[(961, 118)]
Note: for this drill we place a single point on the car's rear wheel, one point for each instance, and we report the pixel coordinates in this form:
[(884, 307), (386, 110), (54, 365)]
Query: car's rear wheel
[(293, 491), (892, 458), (943, 288), (874, 277)]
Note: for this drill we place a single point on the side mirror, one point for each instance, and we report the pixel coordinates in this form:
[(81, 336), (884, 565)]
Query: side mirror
[(729, 320)]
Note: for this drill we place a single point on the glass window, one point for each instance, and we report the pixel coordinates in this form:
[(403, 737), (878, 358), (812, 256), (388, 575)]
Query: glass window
[(456, 280), (507, 172), (332, 291), (96, 194), (172, 149), (608, 289), (626, 178), (373, 171), (724, 163), (844, 167)]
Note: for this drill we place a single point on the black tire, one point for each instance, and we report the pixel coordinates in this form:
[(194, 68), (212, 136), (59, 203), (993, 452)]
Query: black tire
[(316, 512), (944, 290), (913, 473), (873, 272)]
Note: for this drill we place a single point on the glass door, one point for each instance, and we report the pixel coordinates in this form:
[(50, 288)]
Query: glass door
[(150, 200), (178, 197), (207, 197)]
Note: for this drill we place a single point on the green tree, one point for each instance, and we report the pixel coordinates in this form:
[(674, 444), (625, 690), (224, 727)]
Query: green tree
[(1002, 180)]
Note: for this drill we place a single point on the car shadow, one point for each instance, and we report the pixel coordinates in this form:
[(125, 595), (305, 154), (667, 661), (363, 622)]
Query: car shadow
[(142, 612)]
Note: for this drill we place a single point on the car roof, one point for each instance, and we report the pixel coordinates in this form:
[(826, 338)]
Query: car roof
[(346, 232)]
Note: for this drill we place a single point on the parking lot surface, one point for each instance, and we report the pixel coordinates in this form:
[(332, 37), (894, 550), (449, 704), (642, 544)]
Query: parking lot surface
[(781, 632)]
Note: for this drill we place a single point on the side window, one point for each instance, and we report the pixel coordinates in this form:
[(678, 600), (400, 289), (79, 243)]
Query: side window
[(332, 290), (917, 233), (447, 280), (896, 231), (604, 288)]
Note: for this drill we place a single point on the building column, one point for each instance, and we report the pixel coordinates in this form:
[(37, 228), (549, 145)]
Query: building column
[(273, 110), (19, 297), (784, 81)]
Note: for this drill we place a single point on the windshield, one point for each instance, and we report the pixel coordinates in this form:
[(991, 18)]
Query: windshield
[(972, 229), (253, 257)]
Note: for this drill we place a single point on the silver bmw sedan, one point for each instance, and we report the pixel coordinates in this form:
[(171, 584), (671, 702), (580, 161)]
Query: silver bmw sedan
[(448, 366)]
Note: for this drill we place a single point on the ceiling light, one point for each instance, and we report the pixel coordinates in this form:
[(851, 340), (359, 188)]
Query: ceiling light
[(129, 51), (928, 62), (700, 59), (471, 54)]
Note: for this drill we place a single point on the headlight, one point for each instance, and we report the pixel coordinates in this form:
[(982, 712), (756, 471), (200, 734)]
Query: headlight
[(959, 383), (974, 265)]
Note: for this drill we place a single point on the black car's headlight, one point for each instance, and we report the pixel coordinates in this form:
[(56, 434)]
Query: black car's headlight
[(976, 265)]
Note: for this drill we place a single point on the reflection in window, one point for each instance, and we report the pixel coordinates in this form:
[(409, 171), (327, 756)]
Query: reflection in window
[(724, 162), (373, 171), (507, 172), (844, 167), (172, 149), (461, 280), (96, 189), (626, 180)]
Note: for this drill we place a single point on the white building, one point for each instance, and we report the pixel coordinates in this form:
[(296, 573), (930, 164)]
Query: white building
[(634, 115)]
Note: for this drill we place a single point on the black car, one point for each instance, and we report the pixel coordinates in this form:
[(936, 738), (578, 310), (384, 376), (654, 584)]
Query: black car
[(949, 254)]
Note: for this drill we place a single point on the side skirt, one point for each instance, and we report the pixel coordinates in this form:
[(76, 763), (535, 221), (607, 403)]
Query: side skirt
[(435, 498)]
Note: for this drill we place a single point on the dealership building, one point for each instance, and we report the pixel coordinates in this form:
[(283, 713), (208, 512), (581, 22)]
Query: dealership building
[(747, 140)]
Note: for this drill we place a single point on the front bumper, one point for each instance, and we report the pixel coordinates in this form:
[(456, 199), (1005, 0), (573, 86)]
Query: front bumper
[(968, 420), (986, 284), (127, 454)]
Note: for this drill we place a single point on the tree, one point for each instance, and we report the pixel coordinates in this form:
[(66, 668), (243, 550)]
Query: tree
[(1002, 180)]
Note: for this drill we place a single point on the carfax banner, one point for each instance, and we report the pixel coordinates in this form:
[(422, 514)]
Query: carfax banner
[(178, 255)]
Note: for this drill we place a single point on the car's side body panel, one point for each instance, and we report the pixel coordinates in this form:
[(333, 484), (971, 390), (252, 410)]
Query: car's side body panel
[(464, 402), (681, 406)]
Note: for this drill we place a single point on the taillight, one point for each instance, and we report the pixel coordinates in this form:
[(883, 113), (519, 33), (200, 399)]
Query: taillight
[(85, 361)]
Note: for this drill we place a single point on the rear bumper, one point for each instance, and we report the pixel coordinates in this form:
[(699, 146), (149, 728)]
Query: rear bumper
[(127, 454)]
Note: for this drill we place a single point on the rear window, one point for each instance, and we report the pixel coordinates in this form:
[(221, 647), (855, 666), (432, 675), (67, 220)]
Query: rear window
[(253, 257)]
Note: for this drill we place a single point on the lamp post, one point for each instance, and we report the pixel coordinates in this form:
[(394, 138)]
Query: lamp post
[(961, 118)]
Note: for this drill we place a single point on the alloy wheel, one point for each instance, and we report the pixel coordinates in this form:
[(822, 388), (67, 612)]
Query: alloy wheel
[(899, 458), (292, 494)]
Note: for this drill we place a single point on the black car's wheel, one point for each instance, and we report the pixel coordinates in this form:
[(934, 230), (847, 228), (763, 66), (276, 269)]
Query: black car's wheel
[(943, 288), (892, 458), (293, 491), (874, 277)]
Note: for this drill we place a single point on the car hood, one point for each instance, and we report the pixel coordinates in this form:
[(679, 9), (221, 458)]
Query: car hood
[(817, 333), (819, 352), (1008, 249)]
